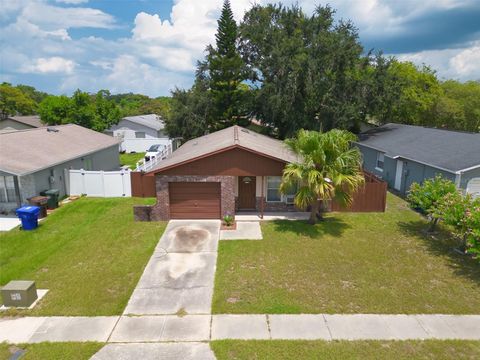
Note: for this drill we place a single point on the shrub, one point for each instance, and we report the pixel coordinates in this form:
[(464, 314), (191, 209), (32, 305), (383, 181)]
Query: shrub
[(228, 220), (427, 197), (462, 213)]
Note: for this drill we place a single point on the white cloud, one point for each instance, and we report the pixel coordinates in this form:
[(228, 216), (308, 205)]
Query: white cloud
[(178, 42), (54, 17), (73, 2), (466, 62), (460, 64), (54, 64)]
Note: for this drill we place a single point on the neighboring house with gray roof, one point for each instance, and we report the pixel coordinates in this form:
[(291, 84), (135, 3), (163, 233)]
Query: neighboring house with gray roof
[(13, 123), (138, 133), (404, 154), (37, 159)]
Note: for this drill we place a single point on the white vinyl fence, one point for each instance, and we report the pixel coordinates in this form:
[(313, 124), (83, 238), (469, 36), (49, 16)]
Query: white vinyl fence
[(100, 183)]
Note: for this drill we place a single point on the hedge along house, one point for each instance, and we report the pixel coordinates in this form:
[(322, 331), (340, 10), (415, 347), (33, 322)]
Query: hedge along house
[(404, 154), (35, 160), (221, 173)]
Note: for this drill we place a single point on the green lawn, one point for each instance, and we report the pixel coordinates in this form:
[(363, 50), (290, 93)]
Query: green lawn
[(89, 254), (131, 159), (350, 263), (43, 351), (342, 350)]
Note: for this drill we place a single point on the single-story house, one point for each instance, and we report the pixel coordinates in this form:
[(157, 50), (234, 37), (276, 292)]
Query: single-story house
[(35, 160), (230, 170), (403, 154), (20, 123), (138, 133)]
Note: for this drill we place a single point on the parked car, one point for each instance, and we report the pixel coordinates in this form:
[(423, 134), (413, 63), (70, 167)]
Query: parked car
[(153, 151)]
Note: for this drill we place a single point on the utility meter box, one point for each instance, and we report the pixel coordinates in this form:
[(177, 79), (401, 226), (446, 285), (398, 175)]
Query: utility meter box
[(19, 293)]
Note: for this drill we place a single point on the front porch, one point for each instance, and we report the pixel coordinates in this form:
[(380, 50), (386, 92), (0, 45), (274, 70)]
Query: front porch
[(259, 196)]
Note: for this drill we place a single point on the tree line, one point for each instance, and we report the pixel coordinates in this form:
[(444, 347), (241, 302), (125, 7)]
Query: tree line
[(94, 111), (291, 71), (285, 69)]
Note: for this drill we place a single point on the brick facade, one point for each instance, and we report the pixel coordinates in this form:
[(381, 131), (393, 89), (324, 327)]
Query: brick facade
[(161, 210)]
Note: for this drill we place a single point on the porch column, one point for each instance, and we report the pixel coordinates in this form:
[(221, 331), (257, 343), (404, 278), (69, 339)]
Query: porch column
[(262, 200)]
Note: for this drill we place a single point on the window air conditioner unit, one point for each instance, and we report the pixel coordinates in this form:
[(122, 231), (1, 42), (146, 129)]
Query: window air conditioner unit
[(289, 199)]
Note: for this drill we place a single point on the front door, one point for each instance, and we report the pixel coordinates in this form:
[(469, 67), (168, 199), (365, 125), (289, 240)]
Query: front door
[(246, 192)]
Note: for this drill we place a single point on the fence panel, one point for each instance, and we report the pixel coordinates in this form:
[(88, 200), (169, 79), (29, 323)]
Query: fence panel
[(372, 197), (100, 183), (142, 185)]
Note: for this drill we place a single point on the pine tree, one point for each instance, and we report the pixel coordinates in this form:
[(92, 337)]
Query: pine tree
[(227, 75)]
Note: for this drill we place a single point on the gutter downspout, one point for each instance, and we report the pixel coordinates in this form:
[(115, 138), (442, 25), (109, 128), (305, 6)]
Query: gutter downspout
[(458, 179), (18, 196)]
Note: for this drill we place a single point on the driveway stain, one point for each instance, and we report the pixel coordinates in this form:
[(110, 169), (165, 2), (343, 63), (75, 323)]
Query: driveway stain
[(190, 238), (182, 266)]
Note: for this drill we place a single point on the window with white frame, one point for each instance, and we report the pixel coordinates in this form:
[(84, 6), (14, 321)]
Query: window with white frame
[(7, 189), (140, 134), (273, 188), (380, 161)]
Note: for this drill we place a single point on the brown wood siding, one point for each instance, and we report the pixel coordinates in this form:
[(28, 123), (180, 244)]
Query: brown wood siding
[(236, 162), (142, 185), (194, 200), (372, 197)]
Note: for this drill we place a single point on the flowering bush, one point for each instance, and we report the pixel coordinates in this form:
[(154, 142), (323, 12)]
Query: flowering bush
[(463, 214), (427, 197)]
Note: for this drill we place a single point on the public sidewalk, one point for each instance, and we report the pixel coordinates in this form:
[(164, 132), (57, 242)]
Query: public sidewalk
[(197, 328)]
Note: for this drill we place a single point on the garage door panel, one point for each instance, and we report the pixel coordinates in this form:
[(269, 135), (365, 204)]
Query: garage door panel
[(194, 200)]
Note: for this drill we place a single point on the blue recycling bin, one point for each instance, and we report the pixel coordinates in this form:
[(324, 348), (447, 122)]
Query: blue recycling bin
[(29, 216)]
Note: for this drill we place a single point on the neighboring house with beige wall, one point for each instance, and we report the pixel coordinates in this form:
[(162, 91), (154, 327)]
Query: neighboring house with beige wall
[(13, 123), (37, 159)]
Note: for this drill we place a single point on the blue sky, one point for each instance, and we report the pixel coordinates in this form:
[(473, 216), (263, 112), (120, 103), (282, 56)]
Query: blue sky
[(151, 46)]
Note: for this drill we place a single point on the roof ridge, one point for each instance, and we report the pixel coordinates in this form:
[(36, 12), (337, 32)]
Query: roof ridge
[(431, 128), (236, 140)]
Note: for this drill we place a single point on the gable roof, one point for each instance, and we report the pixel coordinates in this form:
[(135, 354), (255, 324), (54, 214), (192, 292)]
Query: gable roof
[(226, 139), (152, 121), (27, 151), (452, 151), (31, 120)]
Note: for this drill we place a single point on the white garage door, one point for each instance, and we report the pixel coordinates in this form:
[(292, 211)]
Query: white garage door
[(473, 187)]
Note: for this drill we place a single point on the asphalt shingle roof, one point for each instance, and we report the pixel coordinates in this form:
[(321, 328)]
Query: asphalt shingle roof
[(151, 120), (443, 149), (31, 120), (27, 151), (226, 139)]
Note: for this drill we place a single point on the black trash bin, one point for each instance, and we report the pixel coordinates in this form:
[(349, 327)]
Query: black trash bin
[(41, 202), (52, 195)]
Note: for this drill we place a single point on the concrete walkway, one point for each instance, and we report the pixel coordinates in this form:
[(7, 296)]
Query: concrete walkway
[(180, 274), (246, 230), (268, 216), (201, 328)]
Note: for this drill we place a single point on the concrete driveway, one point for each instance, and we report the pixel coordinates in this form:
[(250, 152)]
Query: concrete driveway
[(180, 274), (8, 223)]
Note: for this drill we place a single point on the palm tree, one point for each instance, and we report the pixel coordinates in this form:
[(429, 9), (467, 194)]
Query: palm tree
[(329, 168)]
